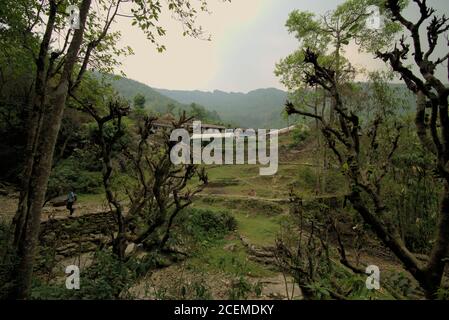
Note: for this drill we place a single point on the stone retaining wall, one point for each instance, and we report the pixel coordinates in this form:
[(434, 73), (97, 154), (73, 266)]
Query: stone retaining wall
[(72, 236)]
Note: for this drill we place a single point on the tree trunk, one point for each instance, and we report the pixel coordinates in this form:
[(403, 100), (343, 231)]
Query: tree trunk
[(325, 163), (435, 268), (39, 167), (34, 123)]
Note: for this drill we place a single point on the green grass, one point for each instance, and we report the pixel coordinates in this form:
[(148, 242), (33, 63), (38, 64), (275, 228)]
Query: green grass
[(234, 263), (261, 230), (245, 180), (238, 203), (96, 198)]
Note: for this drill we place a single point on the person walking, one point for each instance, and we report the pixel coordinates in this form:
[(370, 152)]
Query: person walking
[(71, 198)]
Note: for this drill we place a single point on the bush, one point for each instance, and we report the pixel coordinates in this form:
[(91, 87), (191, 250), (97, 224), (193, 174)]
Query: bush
[(205, 224), (299, 135), (240, 289), (107, 278), (307, 179), (8, 260), (69, 174)]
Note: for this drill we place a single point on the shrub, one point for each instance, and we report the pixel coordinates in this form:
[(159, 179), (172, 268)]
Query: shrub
[(70, 174), (307, 178), (299, 135), (107, 278), (241, 289), (7, 259), (205, 224)]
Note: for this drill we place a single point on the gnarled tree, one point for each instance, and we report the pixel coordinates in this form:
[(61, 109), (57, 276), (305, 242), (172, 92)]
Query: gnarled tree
[(157, 189), (432, 119), (161, 190), (347, 141)]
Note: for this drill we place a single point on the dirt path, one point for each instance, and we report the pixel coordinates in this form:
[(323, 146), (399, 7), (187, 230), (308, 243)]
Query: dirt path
[(8, 207)]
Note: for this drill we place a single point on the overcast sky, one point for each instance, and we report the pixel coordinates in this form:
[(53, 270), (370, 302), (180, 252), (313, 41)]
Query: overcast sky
[(248, 38)]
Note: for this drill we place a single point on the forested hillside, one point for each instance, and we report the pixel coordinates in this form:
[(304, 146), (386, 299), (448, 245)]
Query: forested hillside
[(129, 88), (261, 108), (156, 101)]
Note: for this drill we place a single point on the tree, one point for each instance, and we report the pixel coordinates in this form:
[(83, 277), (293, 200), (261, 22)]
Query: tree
[(171, 108), (157, 193), (16, 84), (432, 104), (138, 156), (347, 139), (364, 152), (328, 36), (44, 123), (198, 112), (59, 72), (107, 141), (139, 101), (160, 192)]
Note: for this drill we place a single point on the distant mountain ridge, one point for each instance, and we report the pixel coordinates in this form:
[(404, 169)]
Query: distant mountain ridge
[(154, 100), (261, 108), (129, 88)]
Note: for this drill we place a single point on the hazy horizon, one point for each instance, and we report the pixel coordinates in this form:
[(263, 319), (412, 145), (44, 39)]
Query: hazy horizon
[(225, 91)]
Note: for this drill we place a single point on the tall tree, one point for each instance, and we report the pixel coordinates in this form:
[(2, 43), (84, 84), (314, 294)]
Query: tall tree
[(432, 121), (44, 123), (432, 104), (327, 35), (139, 101)]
